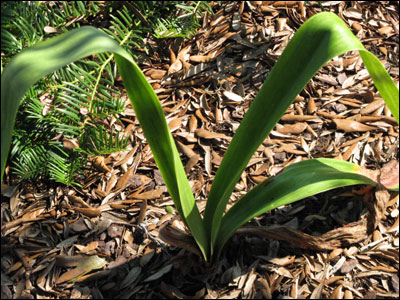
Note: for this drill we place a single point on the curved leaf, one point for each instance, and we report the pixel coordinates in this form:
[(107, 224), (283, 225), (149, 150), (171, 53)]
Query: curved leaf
[(32, 64), (296, 182), (318, 40)]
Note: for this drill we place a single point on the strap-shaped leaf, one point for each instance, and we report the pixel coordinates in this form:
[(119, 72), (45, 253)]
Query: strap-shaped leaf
[(296, 182), (318, 40), (32, 64)]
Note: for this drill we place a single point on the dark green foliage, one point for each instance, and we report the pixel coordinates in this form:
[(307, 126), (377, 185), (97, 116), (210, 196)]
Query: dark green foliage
[(71, 103), (183, 20)]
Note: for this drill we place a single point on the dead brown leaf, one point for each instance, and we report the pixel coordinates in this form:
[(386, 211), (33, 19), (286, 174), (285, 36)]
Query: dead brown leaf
[(89, 212), (99, 163), (179, 238), (149, 195), (293, 128), (371, 107), (210, 135), (124, 179), (348, 125)]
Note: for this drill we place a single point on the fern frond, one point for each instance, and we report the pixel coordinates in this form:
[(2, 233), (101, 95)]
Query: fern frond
[(97, 141), (73, 101), (62, 168)]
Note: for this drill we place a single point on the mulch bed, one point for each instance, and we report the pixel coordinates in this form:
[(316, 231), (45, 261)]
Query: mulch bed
[(338, 244)]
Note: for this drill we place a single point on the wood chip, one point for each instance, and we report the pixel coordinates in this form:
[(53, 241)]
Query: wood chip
[(348, 266), (232, 96)]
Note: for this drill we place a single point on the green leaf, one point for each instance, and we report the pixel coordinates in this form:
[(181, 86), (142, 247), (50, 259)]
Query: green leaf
[(318, 40), (32, 64), (85, 266), (296, 182)]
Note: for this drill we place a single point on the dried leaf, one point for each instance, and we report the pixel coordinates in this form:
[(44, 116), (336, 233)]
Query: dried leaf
[(69, 261), (357, 27), (175, 67), (84, 267), (172, 55), (111, 183), (335, 253), (201, 58), (352, 12), (192, 123), (175, 124), (385, 30), (317, 292), (337, 293), (179, 238), (285, 4), (352, 126), (311, 107), (293, 128), (192, 162), (99, 163), (388, 176), (371, 107), (329, 116), (287, 260), (349, 151), (78, 200), (149, 195), (142, 213), (186, 150), (210, 135), (156, 74), (184, 52), (29, 216), (348, 295), (131, 277), (159, 273), (89, 212), (70, 144), (124, 180), (88, 248)]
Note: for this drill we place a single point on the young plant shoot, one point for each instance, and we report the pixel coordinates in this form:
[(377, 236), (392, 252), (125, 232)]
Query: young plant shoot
[(319, 39)]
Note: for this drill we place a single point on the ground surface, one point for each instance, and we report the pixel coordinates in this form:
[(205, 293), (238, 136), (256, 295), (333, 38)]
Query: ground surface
[(115, 219)]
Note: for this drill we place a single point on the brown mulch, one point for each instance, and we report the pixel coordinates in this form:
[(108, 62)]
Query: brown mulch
[(339, 244)]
